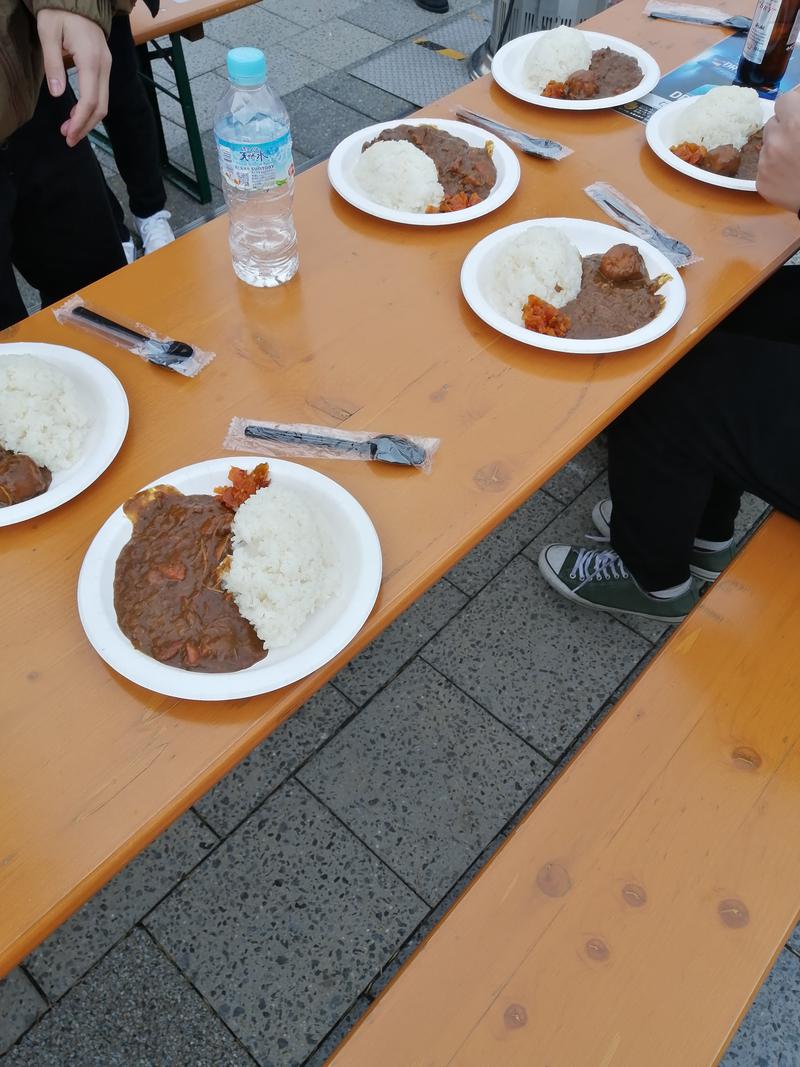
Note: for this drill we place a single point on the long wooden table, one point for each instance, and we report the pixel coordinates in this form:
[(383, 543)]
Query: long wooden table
[(373, 333)]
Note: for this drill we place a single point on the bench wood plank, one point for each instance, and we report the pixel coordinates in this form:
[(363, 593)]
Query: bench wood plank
[(636, 910)]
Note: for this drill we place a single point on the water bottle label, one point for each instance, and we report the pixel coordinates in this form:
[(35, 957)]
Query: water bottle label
[(755, 47), (256, 166)]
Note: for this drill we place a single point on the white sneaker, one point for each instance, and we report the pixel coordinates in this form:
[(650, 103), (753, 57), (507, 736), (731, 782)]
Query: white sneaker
[(155, 231), (129, 248)]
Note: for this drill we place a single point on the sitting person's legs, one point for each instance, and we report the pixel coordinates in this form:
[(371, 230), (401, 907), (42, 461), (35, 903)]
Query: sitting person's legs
[(721, 422)]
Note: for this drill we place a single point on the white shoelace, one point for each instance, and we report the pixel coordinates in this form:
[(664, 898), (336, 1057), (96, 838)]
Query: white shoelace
[(593, 565)]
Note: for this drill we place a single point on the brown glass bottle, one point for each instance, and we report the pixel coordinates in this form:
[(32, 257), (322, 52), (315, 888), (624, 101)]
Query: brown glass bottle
[(769, 45)]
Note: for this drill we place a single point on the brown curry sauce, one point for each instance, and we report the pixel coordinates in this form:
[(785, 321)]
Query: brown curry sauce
[(168, 596), (616, 297), (466, 173), (21, 478), (725, 160), (609, 74)]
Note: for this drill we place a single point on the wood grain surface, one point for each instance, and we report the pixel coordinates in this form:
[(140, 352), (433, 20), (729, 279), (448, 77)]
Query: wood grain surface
[(633, 914), (372, 334), (174, 16)]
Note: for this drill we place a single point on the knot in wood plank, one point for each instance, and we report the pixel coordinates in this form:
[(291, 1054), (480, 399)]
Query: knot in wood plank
[(515, 1016), (554, 880)]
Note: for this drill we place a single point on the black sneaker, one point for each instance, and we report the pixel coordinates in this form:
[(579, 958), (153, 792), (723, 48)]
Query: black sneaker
[(438, 7), (705, 564)]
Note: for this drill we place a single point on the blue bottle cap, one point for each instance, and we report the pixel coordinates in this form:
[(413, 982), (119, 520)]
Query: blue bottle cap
[(247, 66)]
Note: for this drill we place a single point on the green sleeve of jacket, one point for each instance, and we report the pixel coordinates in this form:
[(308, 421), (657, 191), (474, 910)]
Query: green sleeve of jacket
[(99, 11)]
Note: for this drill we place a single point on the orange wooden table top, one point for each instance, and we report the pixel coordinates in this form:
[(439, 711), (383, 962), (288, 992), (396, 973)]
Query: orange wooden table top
[(373, 333), (176, 15)]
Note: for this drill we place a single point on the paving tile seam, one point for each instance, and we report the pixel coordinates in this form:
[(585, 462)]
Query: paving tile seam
[(32, 979), (338, 1022), (520, 551), (220, 837), (163, 951), (474, 700), (362, 842), (351, 71), (413, 655), (223, 837), (51, 1003), (37, 1020), (605, 709), (373, 121)]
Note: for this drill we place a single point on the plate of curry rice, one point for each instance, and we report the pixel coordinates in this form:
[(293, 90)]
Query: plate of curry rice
[(663, 133), (572, 286), (470, 173), (229, 578), (63, 418), (609, 53)]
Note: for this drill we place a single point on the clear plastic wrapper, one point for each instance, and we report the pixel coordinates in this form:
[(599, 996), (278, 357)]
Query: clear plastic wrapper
[(624, 212), (179, 356), (529, 143), (300, 440), (666, 9)]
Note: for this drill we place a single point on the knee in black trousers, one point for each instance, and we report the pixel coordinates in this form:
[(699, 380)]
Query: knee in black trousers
[(721, 422)]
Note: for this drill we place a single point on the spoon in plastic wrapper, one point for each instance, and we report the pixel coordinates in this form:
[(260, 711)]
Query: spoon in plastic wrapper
[(323, 442)]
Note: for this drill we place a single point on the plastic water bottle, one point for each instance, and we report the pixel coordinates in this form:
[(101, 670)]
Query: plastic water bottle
[(254, 143)]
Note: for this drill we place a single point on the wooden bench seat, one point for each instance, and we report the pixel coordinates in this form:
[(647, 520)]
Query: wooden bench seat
[(631, 918)]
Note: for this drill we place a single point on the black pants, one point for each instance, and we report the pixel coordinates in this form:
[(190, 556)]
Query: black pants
[(131, 127), (56, 224), (725, 420)]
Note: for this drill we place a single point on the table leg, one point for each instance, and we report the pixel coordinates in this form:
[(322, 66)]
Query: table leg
[(146, 74), (190, 119)]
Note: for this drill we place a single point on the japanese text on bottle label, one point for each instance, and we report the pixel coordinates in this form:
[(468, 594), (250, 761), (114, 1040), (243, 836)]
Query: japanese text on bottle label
[(755, 47), (256, 166)]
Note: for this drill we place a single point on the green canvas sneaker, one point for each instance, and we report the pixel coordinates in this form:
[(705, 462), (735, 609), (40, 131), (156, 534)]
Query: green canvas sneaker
[(597, 578), (704, 564)]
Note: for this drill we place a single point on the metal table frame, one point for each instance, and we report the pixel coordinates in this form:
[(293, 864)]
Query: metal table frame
[(196, 184)]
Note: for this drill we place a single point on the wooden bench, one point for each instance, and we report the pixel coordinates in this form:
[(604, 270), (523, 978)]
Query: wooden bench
[(632, 916)]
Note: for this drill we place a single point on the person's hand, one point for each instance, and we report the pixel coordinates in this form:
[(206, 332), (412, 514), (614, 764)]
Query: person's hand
[(778, 178), (84, 40)]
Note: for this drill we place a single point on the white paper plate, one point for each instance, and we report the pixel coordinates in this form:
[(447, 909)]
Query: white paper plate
[(344, 157), (588, 238), (323, 635), (507, 71), (108, 403), (662, 133)]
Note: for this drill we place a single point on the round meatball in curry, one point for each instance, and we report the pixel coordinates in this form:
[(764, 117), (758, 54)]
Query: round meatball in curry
[(622, 263), (582, 85), (723, 160)]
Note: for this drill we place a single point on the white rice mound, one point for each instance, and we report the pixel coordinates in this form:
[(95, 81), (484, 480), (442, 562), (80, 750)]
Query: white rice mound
[(555, 55), (728, 114), (283, 566), (41, 412), (400, 176), (540, 261)]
